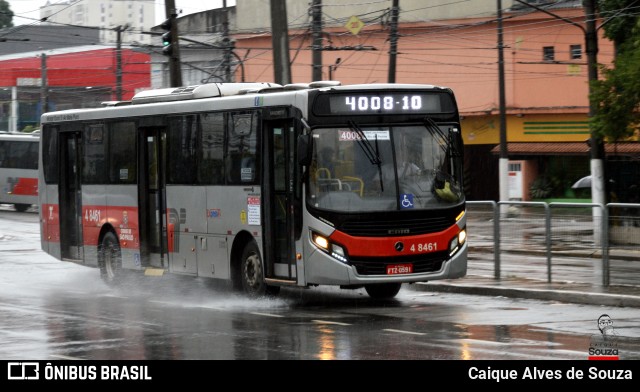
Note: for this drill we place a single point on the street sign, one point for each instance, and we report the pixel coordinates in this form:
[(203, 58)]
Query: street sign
[(354, 25)]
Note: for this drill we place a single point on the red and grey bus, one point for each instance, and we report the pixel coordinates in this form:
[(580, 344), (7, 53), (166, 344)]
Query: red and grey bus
[(261, 184), (19, 169)]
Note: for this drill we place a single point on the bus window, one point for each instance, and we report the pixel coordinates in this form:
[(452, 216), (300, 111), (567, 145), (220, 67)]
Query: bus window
[(181, 156), (94, 159), (122, 147), (241, 149), (50, 154), (211, 163)]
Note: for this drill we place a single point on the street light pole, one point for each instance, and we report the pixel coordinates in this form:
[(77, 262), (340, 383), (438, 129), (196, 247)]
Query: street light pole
[(503, 163)]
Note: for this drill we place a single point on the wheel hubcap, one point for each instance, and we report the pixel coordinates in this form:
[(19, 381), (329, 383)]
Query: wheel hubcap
[(252, 270)]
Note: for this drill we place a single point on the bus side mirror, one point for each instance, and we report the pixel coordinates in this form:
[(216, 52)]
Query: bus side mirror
[(303, 150)]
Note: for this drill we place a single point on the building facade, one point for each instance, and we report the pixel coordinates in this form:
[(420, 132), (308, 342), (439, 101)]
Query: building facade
[(66, 78), (449, 44), (134, 17)]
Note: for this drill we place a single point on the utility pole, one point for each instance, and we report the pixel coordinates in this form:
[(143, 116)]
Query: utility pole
[(503, 164), (280, 42), (175, 73), (393, 40), (316, 31), (226, 42), (598, 182), (119, 63), (44, 95)]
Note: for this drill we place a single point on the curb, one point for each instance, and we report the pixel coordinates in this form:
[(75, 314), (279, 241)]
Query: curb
[(570, 296)]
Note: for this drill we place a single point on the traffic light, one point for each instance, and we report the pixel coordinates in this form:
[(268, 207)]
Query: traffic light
[(167, 37)]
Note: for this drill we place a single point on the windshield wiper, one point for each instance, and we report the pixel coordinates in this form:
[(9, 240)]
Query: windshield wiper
[(372, 154), (434, 128)]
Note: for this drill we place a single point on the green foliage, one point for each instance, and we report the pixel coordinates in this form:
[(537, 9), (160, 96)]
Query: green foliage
[(617, 94), (618, 21), (6, 15)]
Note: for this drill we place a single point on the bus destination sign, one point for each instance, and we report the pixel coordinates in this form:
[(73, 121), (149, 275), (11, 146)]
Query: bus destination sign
[(390, 102)]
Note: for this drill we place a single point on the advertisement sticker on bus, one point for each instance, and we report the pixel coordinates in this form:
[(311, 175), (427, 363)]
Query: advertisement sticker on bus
[(253, 207)]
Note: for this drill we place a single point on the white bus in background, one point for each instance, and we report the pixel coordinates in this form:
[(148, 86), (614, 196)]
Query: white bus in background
[(261, 184), (19, 169)]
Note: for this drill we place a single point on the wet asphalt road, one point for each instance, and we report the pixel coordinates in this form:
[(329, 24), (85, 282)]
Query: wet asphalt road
[(55, 310)]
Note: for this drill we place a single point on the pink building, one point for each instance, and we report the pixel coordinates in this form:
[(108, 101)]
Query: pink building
[(545, 76)]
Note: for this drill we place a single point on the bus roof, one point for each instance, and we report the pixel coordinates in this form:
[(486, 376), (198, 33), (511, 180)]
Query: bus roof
[(155, 101)]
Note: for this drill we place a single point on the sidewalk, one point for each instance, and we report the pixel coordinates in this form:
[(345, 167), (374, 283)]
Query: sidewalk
[(626, 296), (481, 282)]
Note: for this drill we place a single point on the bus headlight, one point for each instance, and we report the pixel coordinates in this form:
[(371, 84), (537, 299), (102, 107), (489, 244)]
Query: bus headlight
[(320, 241), (336, 251), (457, 242)]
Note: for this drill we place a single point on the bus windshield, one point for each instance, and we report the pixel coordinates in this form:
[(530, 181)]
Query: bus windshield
[(388, 168)]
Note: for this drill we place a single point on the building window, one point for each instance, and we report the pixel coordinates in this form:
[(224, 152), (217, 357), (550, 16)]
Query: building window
[(575, 52), (548, 53)]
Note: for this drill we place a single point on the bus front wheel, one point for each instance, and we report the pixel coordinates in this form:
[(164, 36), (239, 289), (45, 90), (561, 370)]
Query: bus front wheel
[(252, 274), (383, 290), (110, 260), (22, 207)]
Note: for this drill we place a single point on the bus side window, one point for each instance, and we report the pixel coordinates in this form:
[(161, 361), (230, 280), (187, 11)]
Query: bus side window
[(211, 168), (241, 148), (122, 147)]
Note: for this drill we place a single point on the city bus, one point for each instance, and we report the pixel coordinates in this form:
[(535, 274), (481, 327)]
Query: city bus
[(19, 169), (260, 184)]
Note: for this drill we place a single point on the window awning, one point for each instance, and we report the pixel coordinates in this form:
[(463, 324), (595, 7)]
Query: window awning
[(567, 148)]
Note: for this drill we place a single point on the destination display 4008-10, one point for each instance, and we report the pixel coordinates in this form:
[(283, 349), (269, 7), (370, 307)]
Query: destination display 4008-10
[(389, 103)]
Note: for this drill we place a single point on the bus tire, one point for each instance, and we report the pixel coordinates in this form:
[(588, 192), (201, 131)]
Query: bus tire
[(110, 258), (383, 290), (252, 274), (22, 207)]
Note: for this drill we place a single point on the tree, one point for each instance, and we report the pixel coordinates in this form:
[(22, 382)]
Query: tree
[(617, 94), (6, 15)]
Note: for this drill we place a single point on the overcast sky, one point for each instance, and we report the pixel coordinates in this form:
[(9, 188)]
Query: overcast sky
[(31, 8)]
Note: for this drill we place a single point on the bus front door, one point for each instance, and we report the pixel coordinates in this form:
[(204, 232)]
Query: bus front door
[(70, 196), (280, 172), (151, 210)]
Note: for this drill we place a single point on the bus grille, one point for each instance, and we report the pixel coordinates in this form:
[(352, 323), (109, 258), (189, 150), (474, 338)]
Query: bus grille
[(395, 227), (429, 262)]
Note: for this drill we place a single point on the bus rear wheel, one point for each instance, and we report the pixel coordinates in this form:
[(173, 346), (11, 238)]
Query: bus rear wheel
[(383, 290), (110, 260), (252, 274)]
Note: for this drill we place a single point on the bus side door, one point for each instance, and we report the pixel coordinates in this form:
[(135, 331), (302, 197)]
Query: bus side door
[(70, 196), (151, 197), (279, 184)]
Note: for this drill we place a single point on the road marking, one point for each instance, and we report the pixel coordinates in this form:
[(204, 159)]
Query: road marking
[(266, 314), (329, 322), (401, 331), (66, 357)]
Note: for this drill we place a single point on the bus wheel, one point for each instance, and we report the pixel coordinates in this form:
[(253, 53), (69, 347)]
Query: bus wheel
[(251, 273), (110, 260), (22, 207), (383, 290)]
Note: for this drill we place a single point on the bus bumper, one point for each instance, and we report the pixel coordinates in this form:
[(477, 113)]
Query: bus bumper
[(320, 268)]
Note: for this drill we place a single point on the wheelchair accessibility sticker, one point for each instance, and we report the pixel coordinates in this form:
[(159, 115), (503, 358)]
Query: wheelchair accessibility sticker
[(406, 201)]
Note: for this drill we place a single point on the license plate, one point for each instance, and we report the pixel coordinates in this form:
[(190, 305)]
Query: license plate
[(399, 269)]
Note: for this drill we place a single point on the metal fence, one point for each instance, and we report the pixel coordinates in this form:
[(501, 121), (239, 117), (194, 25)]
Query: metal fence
[(578, 242)]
